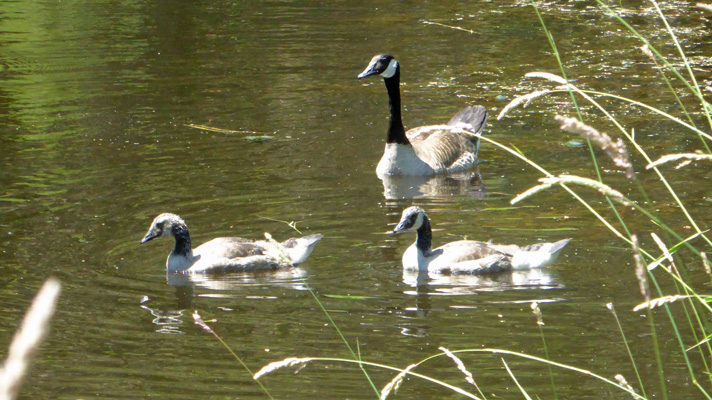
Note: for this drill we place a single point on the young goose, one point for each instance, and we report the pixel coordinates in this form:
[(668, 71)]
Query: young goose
[(426, 150), (228, 253), (469, 256)]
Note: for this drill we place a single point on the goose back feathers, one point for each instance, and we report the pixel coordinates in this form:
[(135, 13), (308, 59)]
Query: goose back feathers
[(426, 150), (227, 254), (469, 256)]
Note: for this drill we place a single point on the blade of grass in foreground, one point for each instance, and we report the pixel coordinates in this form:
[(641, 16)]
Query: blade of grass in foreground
[(199, 321)]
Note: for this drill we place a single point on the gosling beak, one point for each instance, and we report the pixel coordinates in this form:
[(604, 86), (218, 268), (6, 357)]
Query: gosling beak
[(400, 227), (149, 236)]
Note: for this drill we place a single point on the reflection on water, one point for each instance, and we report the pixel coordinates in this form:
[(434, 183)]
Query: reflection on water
[(170, 316), (167, 321), (462, 284), (288, 278), (467, 183)]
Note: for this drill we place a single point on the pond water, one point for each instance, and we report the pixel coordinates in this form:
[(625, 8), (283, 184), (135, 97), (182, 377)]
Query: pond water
[(100, 103)]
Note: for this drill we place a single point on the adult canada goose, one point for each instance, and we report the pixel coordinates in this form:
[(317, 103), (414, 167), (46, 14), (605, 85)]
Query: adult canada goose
[(469, 256), (227, 254), (426, 150)]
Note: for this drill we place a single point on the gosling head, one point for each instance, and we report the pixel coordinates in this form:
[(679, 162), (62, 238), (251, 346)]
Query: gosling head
[(166, 224), (411, 220), (381, 64)]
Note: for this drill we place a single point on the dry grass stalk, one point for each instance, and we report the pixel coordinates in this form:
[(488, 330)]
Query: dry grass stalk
[(616, 150), (602, 188), (525, 99), (673, 157), (395, 383), (547, 76), (662, 246), (659, 302), (641, 272), (549, 181), (704, 6), (646, 50), (537, 311), (706, 263), (460, 365), (621, 381), (530, 192), (199, 321), (27, 339), (287, 362)]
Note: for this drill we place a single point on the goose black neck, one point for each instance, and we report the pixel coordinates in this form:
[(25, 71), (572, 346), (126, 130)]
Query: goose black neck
[(424, 240), (396, 132), (183, 247)]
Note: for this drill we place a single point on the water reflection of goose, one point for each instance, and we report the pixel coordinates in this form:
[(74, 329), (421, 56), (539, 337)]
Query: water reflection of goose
[(463, 284), (227, 254), (170, 316), (469, 256), (465, 183), (426, 150), (289, 278)]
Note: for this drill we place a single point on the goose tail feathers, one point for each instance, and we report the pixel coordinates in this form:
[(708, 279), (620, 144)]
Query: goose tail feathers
[(471, 119), (538, 255)]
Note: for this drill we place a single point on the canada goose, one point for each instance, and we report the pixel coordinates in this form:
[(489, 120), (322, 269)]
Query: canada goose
[(426, 150), (227, 253), (469, 256)]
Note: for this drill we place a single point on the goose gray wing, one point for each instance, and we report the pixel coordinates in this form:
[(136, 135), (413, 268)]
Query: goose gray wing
[(469, 256), (444, 147), (230, 247), (249, 263)]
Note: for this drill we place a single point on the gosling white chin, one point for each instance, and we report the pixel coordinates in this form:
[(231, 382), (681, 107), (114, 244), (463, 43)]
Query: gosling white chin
[(227, 254), (426, 150), (469, 256)]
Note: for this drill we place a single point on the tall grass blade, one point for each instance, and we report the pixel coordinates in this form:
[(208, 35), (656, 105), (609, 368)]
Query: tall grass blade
[(27, 339)]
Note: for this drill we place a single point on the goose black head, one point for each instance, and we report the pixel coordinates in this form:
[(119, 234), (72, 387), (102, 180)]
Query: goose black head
[(381, 64), (411, 220), (165, 224)]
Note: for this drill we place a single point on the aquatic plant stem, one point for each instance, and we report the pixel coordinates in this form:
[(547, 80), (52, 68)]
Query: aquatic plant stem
[(293, 225), (627, 348), (199, 321), (694, 89), (388, 367), (596, 168), (357, 358), (637, 146), (516, 382)]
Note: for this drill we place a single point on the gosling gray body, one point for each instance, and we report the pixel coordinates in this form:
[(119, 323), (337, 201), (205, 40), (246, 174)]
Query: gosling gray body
[(425, 150), (227, 254), (469, 256)]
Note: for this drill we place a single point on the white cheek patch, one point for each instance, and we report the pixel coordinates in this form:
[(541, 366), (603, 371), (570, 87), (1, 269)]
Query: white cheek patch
[(418, 222), (391, 70)]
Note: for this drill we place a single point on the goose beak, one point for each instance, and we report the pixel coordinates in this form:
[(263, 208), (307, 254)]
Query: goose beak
[(366, 72), (400, 227), (149, 236), (370, 70)]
